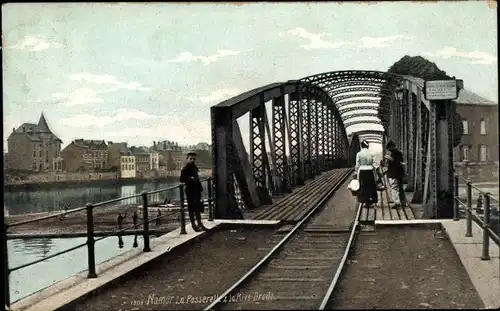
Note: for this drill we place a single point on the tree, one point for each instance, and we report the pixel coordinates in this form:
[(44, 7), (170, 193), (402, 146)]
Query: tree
[(419, 67)]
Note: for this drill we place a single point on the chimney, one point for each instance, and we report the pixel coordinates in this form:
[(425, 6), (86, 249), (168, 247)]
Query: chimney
[(13, 130)]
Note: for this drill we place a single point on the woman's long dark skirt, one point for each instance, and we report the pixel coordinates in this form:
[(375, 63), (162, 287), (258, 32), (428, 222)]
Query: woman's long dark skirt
[(367, 187)]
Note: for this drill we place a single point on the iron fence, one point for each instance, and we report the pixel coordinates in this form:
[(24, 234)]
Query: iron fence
[(89, 210), (486, 204)]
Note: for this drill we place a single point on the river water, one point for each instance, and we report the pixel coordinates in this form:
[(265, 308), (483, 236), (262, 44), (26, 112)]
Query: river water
[(28, 280)]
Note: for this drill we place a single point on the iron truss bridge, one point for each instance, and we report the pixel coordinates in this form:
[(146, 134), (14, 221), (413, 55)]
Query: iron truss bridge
[(299, 129)]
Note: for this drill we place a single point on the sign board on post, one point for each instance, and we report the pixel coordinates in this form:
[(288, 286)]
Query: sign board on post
[(441, 90)]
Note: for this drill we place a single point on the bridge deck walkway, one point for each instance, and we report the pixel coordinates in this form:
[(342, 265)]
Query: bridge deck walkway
[(401, 267)]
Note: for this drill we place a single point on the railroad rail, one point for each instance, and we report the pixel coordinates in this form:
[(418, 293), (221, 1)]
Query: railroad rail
[(299, 264), (291, 209)]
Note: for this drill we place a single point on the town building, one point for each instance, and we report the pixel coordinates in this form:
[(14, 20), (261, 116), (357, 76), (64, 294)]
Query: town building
[(33, 147), (121, 158), (155, 160), (85, 155), (128, 167), (166, 145), (479, 143), (142, 158), (170, 155)]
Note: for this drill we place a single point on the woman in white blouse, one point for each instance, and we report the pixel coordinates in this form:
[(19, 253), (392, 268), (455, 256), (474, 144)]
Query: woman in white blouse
[(365, 172)]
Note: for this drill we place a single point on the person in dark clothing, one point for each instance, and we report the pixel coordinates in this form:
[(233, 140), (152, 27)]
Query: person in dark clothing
[(396, 173), (193, 189)]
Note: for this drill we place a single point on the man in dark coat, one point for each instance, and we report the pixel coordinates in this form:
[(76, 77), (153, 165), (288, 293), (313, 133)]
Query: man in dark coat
[(396, 173), (193, 189)]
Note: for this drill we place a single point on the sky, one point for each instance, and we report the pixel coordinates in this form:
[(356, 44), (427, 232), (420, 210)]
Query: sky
[(142, 72)]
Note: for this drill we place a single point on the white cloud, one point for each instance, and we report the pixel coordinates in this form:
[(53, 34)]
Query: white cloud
[(108, 80), (34, 44), (85, 94), (216, 96), (475, 57), (378, 42), (188, 57), (162, 126), (317, 41), (90, 121), (79, 96)]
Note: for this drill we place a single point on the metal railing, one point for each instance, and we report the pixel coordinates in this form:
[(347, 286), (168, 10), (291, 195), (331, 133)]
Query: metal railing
[(485, 222), (90, 232)]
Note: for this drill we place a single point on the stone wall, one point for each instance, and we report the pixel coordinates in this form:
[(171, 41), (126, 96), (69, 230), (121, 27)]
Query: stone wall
[(41, 178), (61, 177), (478, 172)]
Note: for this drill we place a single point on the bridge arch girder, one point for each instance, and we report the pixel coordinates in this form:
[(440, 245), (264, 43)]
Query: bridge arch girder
[(359, 115), (339, 76), (374, 89), (354, 122), (357, 101), (370, 132), (354, 96), (378, 136), (345, 109), (339, 87)]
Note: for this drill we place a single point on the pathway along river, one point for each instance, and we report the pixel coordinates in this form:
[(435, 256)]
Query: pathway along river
[(33, 278)]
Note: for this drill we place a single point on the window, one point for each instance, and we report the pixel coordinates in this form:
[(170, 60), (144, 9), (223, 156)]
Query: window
[(465, 153), (483, 126), (483, 153), (34, 166), (34, 154), (465, 124), (123, 167)]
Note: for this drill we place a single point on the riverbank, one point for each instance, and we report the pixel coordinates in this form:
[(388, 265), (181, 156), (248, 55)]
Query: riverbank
[(105, 220), (27, 185)]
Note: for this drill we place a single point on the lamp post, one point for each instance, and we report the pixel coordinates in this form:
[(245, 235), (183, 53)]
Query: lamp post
[(399, 114)]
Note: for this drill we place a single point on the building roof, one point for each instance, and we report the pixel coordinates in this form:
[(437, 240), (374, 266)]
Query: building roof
[(91, 144), (466, 97), (122, 147), (43, 127), (37, 132), (140, 150)]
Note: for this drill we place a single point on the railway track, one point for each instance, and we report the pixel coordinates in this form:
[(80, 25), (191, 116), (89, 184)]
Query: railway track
[(295, 206), (300, 271)]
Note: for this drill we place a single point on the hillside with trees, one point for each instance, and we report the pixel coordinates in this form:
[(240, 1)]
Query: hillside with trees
[(419, 67)]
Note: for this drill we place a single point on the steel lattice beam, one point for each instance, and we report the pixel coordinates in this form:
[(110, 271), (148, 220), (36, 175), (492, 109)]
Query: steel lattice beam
[(357, 101), (349, 96), (306, 134), (358, 115), (295, 126), (345, 109), (351, 123), (359, 88), (279, 137), (369, 132)]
